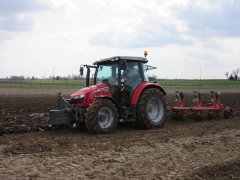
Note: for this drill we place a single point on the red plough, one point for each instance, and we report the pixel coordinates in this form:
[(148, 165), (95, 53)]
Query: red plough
[(214, 108)]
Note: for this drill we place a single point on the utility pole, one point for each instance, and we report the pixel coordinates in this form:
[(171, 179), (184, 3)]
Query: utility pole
[(200, 77), (53, 75)]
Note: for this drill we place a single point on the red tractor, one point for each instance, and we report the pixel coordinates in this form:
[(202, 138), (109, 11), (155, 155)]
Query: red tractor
[(120, 92)]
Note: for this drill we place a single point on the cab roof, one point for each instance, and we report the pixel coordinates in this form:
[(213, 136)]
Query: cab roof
[(120, 58)]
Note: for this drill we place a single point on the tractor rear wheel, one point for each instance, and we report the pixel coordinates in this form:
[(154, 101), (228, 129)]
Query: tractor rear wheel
[(151, 109), (101, 116)]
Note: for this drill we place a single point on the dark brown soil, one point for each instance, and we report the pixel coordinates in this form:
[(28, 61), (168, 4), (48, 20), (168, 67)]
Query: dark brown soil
[(228, 170), (190, 148)]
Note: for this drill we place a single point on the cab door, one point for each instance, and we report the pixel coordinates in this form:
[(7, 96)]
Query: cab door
[(132, 78)]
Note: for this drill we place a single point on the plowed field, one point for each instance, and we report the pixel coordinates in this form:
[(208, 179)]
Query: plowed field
[(190, 148)]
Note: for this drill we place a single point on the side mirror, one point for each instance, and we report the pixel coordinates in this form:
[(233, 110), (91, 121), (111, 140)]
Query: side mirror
[(81, 70), (150, 67), (123, 65)]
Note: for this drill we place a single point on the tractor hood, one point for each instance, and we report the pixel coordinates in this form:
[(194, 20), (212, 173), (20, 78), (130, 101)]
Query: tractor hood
[(91, 89)]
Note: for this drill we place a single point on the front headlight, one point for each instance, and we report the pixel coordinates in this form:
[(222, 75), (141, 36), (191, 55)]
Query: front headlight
[(79, 96), (78, 99)]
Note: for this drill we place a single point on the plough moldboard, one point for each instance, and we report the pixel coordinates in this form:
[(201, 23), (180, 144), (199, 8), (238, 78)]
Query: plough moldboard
[(214, 107)]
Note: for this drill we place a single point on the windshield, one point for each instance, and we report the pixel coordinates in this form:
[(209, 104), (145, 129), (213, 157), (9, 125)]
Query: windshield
[(107, 73)]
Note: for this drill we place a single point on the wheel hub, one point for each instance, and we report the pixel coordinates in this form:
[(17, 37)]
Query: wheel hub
[(105, 117), (155, 109)]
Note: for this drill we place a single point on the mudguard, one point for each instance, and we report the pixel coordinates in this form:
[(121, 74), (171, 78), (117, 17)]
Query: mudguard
[(137, 92)]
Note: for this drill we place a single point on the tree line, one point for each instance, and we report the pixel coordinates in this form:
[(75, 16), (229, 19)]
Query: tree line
[(234, 75), (19, 78)]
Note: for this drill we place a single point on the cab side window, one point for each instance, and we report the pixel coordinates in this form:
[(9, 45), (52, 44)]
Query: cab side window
[(132, 74)]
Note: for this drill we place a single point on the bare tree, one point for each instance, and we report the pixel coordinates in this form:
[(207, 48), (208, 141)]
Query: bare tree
[(237, 71), (227, 74)]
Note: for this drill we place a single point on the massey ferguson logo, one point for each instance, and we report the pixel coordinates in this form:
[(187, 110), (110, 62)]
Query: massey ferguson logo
[(101, 89)]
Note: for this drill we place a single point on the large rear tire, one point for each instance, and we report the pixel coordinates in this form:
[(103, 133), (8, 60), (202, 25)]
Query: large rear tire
[(101, 116), (151, 109)]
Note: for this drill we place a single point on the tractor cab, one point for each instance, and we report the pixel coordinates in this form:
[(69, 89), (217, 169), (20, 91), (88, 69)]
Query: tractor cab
[(123, 74), (118, 91)]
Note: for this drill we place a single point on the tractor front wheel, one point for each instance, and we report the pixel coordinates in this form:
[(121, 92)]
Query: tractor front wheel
[(101, 116), (151, 109)]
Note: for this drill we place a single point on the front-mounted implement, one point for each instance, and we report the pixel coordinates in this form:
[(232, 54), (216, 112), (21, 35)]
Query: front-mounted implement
[(215, 107), (118, 91)]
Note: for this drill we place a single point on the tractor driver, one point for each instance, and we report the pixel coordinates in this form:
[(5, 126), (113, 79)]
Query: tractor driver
[(131, 75)]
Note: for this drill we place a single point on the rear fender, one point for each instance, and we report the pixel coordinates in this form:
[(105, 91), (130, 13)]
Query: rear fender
[(143, 86)]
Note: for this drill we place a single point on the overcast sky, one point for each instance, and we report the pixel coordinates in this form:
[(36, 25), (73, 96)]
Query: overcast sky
[(184, 38)]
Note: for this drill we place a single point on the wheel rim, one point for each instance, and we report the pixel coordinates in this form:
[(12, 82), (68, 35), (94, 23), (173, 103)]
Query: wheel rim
[(155, 109), (105, 117)]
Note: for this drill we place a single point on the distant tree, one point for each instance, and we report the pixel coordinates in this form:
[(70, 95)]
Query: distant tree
[(235, 77), (231, 77), (58, 78), (227, 74), (234, 72), (73, 75), (17, 78), (237, 71)]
